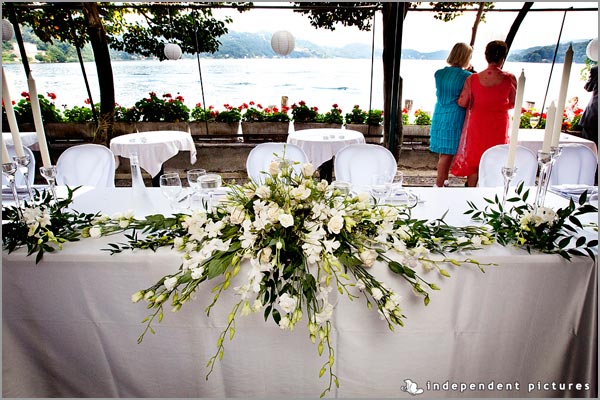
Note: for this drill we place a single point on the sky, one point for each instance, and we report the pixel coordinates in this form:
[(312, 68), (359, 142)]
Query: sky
[(423, 33)]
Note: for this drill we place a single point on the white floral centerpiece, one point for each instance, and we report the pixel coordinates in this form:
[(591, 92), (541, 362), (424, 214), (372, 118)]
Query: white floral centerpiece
[(296, 239)]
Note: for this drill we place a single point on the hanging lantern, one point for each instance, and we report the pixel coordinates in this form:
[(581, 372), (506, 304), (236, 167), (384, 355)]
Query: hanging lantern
[(283, 43), (172, 51), (7, 30), (592, 50)]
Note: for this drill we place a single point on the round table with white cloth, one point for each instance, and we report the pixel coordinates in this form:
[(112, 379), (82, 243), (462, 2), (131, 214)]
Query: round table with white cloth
[(321, 145), (153, 148)]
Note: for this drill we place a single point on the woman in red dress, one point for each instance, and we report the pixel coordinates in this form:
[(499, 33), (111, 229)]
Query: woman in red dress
[(487, 95)]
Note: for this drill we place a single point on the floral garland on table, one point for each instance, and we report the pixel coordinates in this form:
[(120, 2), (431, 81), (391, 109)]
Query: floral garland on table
[(301, 239), (544, 229)]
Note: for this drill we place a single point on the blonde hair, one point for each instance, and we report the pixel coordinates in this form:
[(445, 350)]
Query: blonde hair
[(460, 55)]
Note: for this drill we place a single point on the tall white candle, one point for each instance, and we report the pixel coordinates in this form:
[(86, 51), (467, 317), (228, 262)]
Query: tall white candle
[(5, 157), (514, 136), (37, 120), (562, 96), (10, 115), (549, 127)]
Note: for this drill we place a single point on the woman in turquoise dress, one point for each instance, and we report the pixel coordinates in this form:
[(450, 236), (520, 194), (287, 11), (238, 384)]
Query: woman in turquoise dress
[(448, 116)]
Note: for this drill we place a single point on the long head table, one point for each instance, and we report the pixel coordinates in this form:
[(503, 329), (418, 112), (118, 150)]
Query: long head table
[(525, 328)]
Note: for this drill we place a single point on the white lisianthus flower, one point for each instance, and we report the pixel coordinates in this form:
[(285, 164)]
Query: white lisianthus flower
[(368, 257), (170, 283), (325, 314), (307, 170), (178, 243), (287, 303), (197, 273), (545, 215), (284, 323), (137, 296), (286, 220), (335, 224), (263, 192), (476, 240), (257, 305), (323, 185), (274, 168), (273, 212), (360, 284), (95, 232), (377, 294), (264, 255), (300, 193), (237, 215)]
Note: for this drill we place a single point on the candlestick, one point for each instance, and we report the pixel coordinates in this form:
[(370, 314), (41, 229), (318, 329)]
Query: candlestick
[(549, 127), (562, 96), (514, 136), (545, 162), (50, 174), (10, 115), (37, 119), (23, 166), (9, 169), (5, 156)]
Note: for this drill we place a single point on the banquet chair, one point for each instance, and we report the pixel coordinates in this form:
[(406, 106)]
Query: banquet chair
[(494, 158), (86, 164), (19, 178), (576, 164), (357, 163), (263, 154)]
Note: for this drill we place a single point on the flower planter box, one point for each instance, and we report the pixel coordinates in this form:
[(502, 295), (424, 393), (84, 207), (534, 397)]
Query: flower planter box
[(162, 126), (70, 131), (298, 126), (217, 131), (123, 128), (415, 136), (257, 132), (372, 134)]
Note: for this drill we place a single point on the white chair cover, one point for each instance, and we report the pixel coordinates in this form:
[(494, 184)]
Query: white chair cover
[(262, 155), (357, 163), (494, 158), (19, 178), (86, 164), (576, 164)]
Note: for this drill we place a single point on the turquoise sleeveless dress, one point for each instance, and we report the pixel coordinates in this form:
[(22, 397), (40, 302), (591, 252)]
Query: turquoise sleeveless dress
[(448, 117)]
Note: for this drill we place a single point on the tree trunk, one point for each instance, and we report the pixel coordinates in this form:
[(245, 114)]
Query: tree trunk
[(517, 23), (105, 74), (393, 20), (476, 24)]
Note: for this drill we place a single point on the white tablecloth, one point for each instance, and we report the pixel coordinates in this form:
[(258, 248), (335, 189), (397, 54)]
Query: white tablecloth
[(321, 145), (533, 139), (70, 329), (28, 139), (153, 147)]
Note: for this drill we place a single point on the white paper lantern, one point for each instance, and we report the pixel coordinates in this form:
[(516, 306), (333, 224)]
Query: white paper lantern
[(283, 43), (592, 50), (7, 30), (172, 51)]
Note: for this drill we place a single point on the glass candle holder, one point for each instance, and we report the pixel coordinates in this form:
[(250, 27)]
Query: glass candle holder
[(49, 173)]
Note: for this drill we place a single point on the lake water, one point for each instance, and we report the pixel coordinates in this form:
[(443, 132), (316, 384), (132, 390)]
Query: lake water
[(319, 82)]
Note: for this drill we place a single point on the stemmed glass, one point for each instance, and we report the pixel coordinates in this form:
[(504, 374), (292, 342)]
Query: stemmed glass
[(192, 177), (534, 121), (209, 183), (380, 187), (170, 186)]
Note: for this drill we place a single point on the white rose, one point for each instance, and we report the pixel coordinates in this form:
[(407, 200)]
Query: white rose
[(376, 293), (368, 257), (237, 215), (286, 220), (265, 255), (307, 170), (273, 212), (287, 303), (274, 168), (263, 192), (95, 232), (170, 283), (323, 185), (335, 224)]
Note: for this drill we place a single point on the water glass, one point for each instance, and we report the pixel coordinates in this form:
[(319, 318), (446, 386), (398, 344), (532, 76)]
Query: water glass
[(209, 183), (380, 187), (192, 177), (170, 186), (342, 186)]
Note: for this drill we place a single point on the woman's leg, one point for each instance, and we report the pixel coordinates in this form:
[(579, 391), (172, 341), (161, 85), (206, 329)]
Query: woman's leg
[(472, 179), (443, 168)]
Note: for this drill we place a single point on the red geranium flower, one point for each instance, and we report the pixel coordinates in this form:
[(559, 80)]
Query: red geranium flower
[(51, 95)]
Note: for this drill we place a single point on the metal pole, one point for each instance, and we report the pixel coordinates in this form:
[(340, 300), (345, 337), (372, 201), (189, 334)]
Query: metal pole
[(372, 62), (85, 79), (200, 72), (12, 16), (553, 61)]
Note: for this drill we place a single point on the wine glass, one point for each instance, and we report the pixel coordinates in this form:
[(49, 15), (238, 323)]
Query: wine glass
[(534, 121), (209, 183), (192, 177), (380, 187), (342, 186), (170, 186)]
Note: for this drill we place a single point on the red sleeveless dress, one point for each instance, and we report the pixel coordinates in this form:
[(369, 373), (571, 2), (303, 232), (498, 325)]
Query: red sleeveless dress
[(486, 123)]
